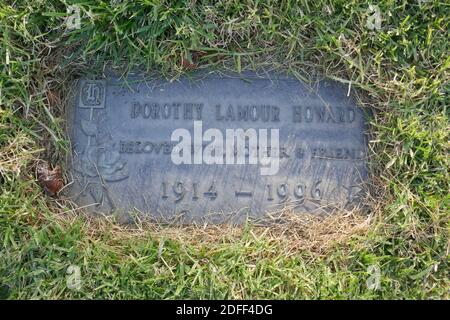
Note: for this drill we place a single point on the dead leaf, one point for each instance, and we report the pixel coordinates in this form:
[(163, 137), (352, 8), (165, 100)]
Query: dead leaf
[(195, 57), (53, 98), (49, 179)]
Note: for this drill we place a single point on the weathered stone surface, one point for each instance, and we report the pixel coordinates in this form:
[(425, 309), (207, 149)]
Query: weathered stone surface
[(121, 141)]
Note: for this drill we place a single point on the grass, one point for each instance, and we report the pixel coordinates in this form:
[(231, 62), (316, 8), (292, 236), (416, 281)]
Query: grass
[(400, 71)]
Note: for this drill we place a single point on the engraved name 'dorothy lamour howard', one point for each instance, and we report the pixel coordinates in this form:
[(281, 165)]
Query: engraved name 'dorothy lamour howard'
[(245, 113), (196, 148)]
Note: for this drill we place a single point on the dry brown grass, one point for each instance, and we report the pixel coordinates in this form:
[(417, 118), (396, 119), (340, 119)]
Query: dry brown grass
[(294, 232), (15, 155)]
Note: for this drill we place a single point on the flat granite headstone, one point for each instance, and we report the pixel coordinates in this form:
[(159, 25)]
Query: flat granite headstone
[(123, 149)]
